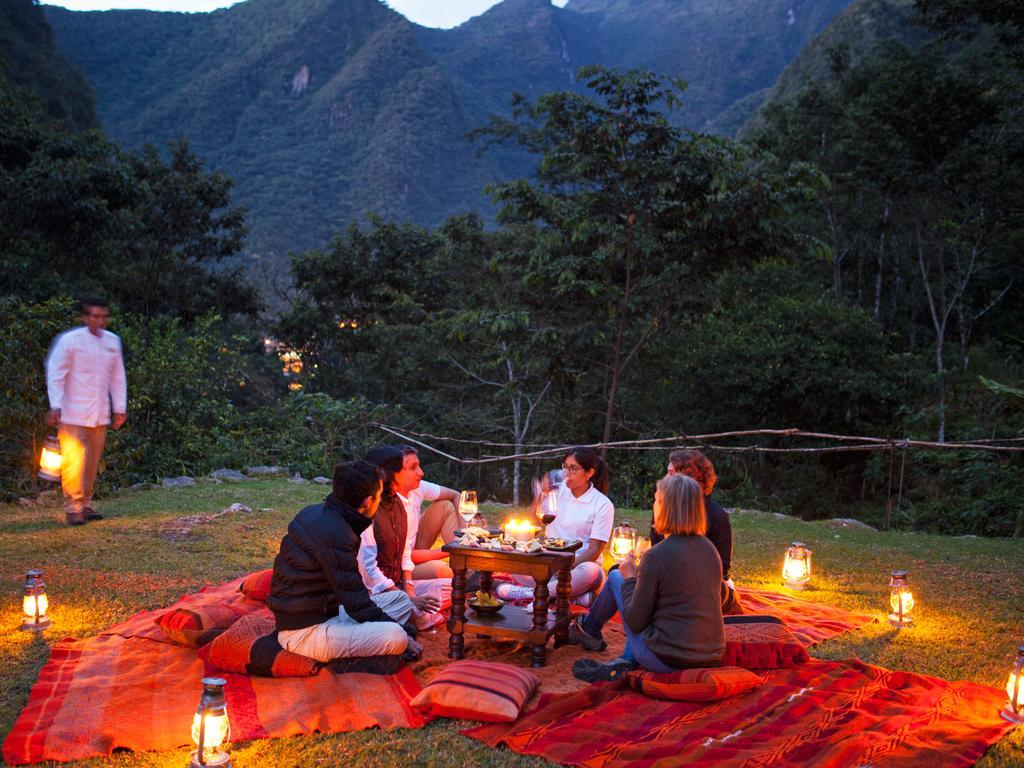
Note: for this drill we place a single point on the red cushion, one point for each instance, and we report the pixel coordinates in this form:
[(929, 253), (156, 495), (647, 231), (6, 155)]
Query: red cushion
[(250, 647), (478, 690), (198, 625), (705, 684), (257, 585), (761, 642)]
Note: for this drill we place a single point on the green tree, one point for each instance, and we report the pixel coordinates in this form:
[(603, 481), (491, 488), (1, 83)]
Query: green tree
[(637, 213)]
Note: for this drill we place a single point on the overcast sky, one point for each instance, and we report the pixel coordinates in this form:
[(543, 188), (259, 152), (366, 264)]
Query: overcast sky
[(429, 13)]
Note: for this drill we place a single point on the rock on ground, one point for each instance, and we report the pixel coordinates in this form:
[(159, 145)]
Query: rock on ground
[(177, 482), (231, 475), (265, 470)]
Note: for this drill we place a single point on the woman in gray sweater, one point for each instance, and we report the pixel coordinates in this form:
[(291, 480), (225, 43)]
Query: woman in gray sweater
[(670, 602)]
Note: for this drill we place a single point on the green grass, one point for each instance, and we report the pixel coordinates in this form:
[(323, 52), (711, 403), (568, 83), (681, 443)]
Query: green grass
[(970, 614)]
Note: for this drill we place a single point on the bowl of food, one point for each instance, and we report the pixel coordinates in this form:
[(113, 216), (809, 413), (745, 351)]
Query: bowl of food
[(485, 602)]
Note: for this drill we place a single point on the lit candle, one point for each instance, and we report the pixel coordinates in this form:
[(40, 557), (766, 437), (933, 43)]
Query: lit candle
[(1014, 709), (796, 570), (518, 529), (35, 603), (211, 729), (901, 600)]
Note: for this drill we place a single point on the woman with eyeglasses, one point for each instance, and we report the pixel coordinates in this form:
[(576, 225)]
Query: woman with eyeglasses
[(584, 513)]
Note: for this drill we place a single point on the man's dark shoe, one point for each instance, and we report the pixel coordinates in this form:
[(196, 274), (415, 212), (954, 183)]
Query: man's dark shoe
[(91, 514), (371, 665), (579, 636), (597, 673), (74, 518)]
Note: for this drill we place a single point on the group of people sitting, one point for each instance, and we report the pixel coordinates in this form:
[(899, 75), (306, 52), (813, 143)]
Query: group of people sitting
[(358, 576)]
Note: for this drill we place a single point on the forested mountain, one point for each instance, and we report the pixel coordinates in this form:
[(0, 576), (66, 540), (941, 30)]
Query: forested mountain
[(326, 110), (29, 59)]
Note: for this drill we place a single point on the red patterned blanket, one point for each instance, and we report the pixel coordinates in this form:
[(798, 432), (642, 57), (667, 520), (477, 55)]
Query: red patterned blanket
[(826, 713), (129, 688)]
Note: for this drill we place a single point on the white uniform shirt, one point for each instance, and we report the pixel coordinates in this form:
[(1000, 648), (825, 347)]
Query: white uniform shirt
[(590, 516), (373, 578), (84, 373)]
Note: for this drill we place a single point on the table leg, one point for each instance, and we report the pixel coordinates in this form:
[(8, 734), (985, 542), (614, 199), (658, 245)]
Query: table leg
[(540, 622), (456, 624), (563, 594)]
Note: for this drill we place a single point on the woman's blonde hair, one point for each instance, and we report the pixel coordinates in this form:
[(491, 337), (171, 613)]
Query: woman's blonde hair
[(682, 507)]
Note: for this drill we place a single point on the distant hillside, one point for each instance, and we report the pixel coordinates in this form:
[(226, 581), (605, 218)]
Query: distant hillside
[(29, 59), (326, 110), (853, 35)]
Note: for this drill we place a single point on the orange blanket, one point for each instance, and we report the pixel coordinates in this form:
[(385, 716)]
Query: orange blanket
[(827, 714), (128, 688)]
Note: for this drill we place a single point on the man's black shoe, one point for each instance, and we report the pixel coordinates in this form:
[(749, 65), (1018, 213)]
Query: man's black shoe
[(371, 665), (91, 514), (74, 518)]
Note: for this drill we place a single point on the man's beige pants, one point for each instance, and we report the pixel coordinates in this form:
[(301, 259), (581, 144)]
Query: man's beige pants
[(80, 450), (344, 637)]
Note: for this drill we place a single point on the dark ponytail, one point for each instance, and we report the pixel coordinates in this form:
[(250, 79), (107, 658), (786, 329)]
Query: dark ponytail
[(589, 460)]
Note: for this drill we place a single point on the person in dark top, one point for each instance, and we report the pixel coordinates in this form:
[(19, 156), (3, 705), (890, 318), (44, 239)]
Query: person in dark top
[(670, 602), (693, 463), (321, 607)]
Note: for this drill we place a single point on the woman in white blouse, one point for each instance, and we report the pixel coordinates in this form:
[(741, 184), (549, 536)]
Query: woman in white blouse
[(584, 513)]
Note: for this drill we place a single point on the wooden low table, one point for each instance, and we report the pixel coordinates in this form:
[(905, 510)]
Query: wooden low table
[(512, 622)]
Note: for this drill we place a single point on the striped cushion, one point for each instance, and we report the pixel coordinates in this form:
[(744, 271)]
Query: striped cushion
[(250, 647), (199, 624), (478, 690), (708, 684), (257, 585)]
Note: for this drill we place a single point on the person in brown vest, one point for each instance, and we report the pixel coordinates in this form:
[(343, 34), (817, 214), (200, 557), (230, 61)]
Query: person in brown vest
[(385, 551)]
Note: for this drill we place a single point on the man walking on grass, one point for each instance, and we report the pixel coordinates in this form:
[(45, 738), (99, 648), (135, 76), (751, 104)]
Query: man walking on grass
[(84, 377)]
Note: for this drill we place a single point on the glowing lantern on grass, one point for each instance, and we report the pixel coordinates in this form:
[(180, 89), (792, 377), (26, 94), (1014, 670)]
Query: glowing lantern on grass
[(35, 604), (211, 730), (796, 570), (901, 600), (50, 460), (1014, 709), (623, 541)]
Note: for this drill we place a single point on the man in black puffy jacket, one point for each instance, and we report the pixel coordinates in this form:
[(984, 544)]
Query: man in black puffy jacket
[(320, 605)]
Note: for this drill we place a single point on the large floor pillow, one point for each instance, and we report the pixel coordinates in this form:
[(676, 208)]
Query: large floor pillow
[(250, 647), (761, 642), (197, 625), (703, 684), (257, 585), (487, 691)]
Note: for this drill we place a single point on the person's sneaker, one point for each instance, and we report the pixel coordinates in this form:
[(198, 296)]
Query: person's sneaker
[(371, 665), (507, 591), (74, 518), (91, 514), (579, 636), (598, 673)]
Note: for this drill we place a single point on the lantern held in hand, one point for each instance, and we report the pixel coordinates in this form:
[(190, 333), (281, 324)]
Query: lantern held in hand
[(211, 730), (623, 541), (34, 603), (796, 570), (50, 460), (1014, 709), (901, 600)]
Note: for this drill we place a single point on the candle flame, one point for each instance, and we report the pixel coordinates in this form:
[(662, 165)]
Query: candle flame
[(217, 729), (30, 602)]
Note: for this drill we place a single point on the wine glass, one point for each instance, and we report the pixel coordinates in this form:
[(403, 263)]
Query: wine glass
[(467, 506), (548, 507), (640, 548)]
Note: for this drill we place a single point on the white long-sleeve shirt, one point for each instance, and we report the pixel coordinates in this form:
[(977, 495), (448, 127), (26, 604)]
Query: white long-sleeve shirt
[(373, 577), (85, 375)]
